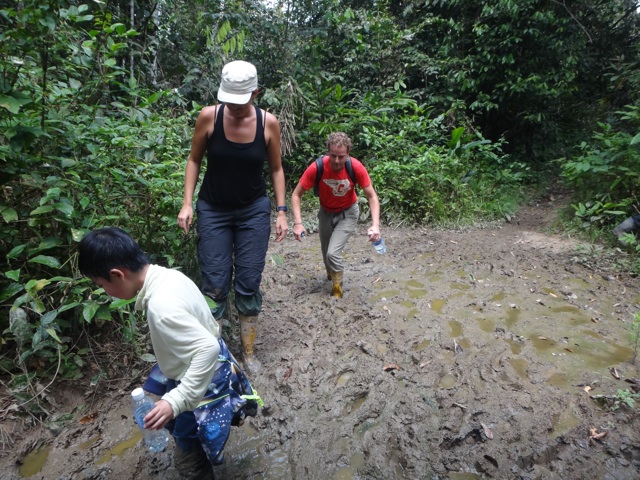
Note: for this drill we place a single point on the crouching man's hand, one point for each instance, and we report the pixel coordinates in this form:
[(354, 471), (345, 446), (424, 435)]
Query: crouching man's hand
[(159, 416)]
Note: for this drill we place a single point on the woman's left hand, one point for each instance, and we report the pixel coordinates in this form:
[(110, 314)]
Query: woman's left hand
[(281, 227)]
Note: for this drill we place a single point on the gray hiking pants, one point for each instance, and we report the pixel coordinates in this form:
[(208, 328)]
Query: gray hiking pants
[(335, 229)]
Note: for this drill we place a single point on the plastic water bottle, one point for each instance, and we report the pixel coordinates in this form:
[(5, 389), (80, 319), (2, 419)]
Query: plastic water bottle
[(380, 246), (155, 440)]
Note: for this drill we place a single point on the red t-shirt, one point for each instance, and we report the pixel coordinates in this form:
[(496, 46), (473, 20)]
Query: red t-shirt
[(336, 191)]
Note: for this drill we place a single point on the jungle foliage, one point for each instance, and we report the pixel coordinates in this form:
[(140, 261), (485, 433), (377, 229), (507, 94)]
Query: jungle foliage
[(455, 107)]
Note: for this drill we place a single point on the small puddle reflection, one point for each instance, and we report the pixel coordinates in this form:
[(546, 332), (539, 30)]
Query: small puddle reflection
[(566, 309), (516, 347), (456, 328), (89, 442), (613, 354), (498, 297), (593, 334), (464, 476), (422, 345), (564, 422), (459, 286), (520, 365), (358, 403), (486, 325), (34, 461), (541, 343), (413, 293), (558, 380), (414, 284), (437, 305), (513, 315), (384, 294), (447, 381), (407, 304), (350, 472), (344, 378), (412, 313), (121, 448)]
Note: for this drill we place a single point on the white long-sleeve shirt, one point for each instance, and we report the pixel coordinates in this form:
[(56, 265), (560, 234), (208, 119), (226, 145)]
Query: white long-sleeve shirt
[(183, 332)]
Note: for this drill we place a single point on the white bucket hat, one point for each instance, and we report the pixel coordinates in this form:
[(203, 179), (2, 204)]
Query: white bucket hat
[(239, 81)]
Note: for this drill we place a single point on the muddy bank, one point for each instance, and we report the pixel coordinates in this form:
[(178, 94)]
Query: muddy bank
[(486, 353)]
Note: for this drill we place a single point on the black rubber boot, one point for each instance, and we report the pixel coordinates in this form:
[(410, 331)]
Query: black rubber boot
[(193, 464)]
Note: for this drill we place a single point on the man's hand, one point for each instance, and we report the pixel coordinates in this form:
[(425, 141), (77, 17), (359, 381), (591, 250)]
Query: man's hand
[(299, 231), (159, 416), (374, 233)]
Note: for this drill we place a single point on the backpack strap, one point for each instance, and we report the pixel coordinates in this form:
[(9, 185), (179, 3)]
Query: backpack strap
[(319, 172), (352, 175)]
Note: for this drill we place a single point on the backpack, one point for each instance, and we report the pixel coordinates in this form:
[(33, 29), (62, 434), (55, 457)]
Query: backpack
[(320, 165)]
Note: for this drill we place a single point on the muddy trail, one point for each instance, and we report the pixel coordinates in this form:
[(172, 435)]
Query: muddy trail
[(483, 353)]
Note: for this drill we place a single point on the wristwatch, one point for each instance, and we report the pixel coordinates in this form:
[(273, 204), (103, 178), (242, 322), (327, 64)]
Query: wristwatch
[(282, 208)]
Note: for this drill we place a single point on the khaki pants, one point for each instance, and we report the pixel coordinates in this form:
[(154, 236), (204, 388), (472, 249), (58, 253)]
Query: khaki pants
[(335, 229)]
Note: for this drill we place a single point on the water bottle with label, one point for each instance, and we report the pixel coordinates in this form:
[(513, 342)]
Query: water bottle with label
[(155, 440), (380, 246)]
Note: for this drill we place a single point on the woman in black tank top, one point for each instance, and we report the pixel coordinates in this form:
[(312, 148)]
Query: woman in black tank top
[(234, 212)]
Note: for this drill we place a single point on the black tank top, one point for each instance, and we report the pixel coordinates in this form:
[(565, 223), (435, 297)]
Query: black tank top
[(234, 176)]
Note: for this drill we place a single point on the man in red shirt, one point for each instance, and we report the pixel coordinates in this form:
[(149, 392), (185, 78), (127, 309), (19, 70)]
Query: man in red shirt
[(339, 210)]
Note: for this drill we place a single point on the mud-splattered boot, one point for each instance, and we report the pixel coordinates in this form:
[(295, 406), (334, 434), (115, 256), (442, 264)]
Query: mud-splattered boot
[(192, 464), (336, 279), (328, 273), (248, 330)]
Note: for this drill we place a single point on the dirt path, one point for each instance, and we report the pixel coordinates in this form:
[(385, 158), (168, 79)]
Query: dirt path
[(488, 353)]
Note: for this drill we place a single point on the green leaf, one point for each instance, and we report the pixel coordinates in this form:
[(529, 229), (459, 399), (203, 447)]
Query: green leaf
[(48, 243), (77, 234), (13, 274), (15, 251), (46, 260), (635, 139), (103, 313), (53, 334), (9, 214), (10, 103), (9, 291), (89, 311), (64, 208), (120, 302), (148, 357), (277, 259), (68, 306), (40, 210), (37, 285), (48, 317)]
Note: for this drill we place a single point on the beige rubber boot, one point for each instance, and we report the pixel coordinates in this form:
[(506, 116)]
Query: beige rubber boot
[(248, 330), (336, 279)]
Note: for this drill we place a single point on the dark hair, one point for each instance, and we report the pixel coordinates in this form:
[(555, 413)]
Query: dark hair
[(102, 250)]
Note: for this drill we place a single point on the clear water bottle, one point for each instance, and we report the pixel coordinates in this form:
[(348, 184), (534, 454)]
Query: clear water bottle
[(155, 440), (380, 246)]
